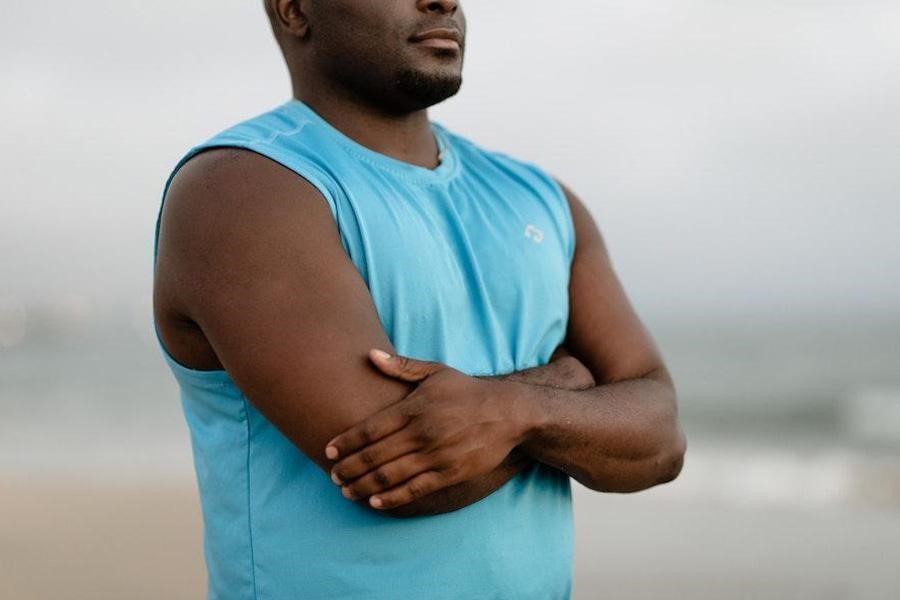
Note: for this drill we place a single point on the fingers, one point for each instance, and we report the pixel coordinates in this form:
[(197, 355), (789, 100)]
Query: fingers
[(403, 367), (417, 487), (388, 420), (371, 457), (387, 476), (366, 432)]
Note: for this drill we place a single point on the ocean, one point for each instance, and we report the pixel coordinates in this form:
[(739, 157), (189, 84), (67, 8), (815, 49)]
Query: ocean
[(794, 411)]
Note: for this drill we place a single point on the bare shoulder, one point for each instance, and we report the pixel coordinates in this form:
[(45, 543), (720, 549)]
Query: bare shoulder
[(220, 208), (224, 187), (587, 233)]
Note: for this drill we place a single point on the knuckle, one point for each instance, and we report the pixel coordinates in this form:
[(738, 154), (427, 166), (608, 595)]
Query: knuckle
[(420, 436), (367, 458), (429, 433), (416, 490), (381, 478), (367, 433), (452, 471)]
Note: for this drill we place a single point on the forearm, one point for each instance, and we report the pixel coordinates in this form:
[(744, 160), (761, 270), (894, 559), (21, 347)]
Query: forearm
[(565, 372), (617, 437), (562, 372)]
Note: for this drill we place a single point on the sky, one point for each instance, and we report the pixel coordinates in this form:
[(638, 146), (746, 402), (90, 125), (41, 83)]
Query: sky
[(740, 157)]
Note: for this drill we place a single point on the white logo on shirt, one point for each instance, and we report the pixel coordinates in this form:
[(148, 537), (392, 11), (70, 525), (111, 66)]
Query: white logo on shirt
[(533, 233)]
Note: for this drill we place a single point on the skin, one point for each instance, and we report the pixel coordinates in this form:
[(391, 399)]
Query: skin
[(291, 320)]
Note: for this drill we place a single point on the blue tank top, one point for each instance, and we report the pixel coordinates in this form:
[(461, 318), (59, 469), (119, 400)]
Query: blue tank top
[(467, 264)]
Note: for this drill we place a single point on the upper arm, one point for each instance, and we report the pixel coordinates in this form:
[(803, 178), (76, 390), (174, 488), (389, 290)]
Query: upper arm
[(256, 257), (604, 331)]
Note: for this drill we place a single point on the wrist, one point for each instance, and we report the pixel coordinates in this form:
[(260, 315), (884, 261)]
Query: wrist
[(520, 402)]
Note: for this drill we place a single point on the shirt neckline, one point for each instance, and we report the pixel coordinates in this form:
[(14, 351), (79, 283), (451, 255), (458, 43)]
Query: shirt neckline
[(448, 167)]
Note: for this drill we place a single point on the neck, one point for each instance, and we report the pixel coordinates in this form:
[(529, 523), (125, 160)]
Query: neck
[(407, 137)]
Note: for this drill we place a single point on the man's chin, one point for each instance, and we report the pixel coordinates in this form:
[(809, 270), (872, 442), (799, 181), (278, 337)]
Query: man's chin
[(427, 88)]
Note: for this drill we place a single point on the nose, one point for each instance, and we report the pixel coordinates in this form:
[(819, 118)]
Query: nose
[(442, 6)]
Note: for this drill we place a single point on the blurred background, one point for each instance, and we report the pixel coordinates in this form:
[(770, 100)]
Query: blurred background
[(741, 159)]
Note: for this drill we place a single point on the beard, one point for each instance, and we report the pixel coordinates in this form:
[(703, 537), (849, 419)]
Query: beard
[(388, 81), (420, 89)]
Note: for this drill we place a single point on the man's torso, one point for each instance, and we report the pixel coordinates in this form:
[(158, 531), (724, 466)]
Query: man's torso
[(467, 264)]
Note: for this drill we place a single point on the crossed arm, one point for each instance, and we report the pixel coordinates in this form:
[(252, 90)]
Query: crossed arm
[(451, 429), (562, 372), (619, 436), (292, 322)]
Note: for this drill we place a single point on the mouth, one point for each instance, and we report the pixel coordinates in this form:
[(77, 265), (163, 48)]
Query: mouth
[(443, 38)]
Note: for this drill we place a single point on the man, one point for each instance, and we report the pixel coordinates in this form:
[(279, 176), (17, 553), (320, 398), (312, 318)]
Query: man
[(297, 247)]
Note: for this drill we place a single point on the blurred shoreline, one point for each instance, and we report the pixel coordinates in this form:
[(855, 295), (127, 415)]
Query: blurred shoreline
[(65, 537), (791, 484)]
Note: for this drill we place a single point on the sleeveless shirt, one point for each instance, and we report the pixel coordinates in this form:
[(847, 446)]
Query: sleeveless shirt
[(467, 264)]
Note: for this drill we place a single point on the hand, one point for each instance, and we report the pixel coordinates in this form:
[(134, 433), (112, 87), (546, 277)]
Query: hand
[(564, 371), (451, 428)]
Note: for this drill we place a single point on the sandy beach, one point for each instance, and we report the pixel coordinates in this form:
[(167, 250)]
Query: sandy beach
[(98, 540), (104, 540)]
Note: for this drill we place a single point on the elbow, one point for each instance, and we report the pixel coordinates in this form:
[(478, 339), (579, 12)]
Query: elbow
[(663, 466), (670, 462), (669, 456)]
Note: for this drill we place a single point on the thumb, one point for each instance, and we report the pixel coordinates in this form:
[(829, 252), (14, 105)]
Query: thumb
[(403, 367)]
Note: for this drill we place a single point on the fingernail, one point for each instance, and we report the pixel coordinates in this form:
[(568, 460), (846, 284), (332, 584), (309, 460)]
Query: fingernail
[(375, 501), (347, 493), (336, 479), (331, 452), (381, 354)]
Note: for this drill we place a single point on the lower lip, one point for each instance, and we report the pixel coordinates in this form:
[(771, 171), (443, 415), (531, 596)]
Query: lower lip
[(443, 43)]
